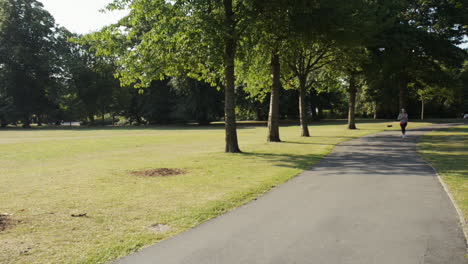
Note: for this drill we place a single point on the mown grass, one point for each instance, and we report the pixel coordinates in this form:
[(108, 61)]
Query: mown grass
[(447, 151), (46, 175)]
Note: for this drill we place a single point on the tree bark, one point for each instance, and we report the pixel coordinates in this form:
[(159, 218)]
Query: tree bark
[(26, 122), (273, 118), (3, 122), (375, 110), (314, 105), (91, 119), (320, 112), (230, 43), (303, 108), (39, 120), (352, 101), (422, 109), (403, 93)]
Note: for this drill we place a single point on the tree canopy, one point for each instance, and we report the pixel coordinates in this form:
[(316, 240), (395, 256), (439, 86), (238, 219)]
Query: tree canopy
[(205, 60)]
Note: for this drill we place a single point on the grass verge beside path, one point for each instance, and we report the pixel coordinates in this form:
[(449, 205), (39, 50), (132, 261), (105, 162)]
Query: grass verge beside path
[(447, 151), (48, 175)]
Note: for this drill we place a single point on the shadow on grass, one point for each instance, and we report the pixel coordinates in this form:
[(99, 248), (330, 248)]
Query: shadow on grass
[(382, 154), (378, 155), (309, 143), (116, 128), (459, 130), (448, 143), (302, 162), (219, 125), (448, 152)]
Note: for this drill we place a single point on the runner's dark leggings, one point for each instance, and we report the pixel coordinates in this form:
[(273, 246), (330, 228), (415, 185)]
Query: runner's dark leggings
[(403, 128)]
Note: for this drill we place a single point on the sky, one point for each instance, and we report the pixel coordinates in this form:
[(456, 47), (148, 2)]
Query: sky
[(81, 16)]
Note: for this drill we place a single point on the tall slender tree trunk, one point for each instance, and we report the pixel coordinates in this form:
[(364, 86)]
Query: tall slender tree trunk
[(230, 43), (91, 119), (375, 110), (26, 121), (303, 108), (39, 120), (422, 109), (3, 122), (352, 101), (314, 105), (273, 118), (258, 114), (403, 93)]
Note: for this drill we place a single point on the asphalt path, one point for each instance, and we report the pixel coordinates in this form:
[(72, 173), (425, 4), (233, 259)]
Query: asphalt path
[(372, 200)]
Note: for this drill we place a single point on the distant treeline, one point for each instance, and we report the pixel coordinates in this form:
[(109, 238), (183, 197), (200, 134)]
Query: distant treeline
[(130, 73)]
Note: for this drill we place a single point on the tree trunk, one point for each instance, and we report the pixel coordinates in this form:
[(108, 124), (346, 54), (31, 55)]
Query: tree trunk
[(91, 119), (273, 118), (303, 108), (320, 111), (375, 110), (232, 145), (26, 122), (39, 120), (314, 105), (403, 93), (3, 122), (352, 101), (258, 113), (422, 109)]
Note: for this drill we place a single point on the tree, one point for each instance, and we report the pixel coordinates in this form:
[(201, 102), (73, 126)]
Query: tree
[(158, 102), (421, 32), (93, 77), (351, 63), (283, 29), (339, 30), (27, 36), (201, 100), (161, 38), (7, 108), (304, 61), (271, 30), (425, 94)]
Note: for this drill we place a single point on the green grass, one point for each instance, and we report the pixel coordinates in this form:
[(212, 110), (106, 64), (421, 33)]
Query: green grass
[(447, 151), (48, 174)]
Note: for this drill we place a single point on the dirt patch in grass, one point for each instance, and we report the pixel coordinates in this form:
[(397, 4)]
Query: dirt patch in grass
[(162, 172), (5, 222), (160, 228)]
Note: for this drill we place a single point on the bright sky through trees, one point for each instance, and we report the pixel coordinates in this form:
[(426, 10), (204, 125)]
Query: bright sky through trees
[(84, 16), (81, 16)]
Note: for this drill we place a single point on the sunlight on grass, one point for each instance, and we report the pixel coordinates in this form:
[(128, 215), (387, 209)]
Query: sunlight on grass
[(447, 151), (46, 175)]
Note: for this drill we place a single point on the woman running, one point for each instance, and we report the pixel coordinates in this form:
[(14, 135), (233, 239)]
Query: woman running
[(403, 118)]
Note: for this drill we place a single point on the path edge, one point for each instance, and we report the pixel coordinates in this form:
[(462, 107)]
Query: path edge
[(461, 218)]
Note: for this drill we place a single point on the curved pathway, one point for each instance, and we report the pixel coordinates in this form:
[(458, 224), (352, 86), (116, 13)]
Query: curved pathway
[(373, 200)]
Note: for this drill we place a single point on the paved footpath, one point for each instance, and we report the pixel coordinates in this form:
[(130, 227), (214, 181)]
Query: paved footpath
[(372, 201)]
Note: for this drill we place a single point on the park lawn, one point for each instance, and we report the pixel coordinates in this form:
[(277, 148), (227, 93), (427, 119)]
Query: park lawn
[(46, 175), (447, 151)]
